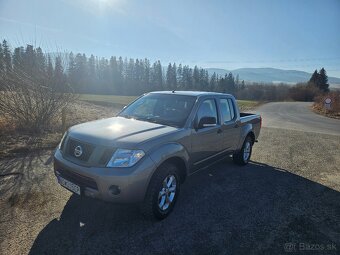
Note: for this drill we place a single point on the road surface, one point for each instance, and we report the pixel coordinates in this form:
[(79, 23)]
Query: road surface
[(297, 116)]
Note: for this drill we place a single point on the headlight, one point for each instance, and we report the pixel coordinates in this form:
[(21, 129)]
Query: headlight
[(125, 158)]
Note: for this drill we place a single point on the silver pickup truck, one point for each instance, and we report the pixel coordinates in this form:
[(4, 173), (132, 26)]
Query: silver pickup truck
[(145, 153)]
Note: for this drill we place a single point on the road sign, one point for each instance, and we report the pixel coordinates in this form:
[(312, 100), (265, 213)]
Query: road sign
[(328, 100)]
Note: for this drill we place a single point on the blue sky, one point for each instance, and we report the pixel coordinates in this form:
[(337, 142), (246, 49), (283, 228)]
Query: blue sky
[(289, 34)]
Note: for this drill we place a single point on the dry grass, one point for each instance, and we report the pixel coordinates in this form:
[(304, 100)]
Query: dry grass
[(319, 106), (14, 142)]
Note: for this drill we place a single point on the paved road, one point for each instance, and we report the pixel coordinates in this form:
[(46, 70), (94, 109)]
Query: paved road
[(297, 116)]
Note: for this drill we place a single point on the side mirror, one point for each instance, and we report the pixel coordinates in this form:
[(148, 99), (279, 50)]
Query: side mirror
[(207, 122)]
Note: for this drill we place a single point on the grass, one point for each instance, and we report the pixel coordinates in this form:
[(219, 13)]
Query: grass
[(120, 101), (246, 105), (109, 100)]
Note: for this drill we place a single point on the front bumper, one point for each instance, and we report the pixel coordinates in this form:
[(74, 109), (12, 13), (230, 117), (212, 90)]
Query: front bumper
[(95, 182)]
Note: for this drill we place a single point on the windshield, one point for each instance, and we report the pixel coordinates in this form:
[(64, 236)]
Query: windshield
[(165, 109)]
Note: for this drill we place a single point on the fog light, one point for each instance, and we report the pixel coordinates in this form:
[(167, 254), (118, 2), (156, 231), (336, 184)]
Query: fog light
[(89, 193), (115, 190)]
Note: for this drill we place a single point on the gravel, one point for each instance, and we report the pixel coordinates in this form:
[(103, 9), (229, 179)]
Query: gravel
[(287, 198)]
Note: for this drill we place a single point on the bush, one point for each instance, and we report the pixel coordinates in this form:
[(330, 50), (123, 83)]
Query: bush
[(264, 92), (335, 105), (303, 92), (31, 101)]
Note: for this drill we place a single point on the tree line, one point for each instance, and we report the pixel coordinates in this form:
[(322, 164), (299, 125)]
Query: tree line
[(116, 75), (308, 91), (122, 76)]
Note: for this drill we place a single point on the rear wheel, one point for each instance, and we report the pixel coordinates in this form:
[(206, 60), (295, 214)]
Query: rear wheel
[(162, 192), (243, 156)]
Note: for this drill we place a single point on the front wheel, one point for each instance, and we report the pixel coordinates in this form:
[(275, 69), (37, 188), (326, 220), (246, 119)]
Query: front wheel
[(162, 192), (243, 156)]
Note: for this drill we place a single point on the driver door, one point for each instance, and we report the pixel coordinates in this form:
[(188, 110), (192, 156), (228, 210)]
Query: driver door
[(206, 142)]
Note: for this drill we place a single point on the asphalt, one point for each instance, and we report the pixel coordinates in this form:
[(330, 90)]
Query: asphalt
[(297, 116)]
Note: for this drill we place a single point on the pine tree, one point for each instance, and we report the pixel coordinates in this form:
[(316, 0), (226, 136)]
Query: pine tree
[(179, 77), (58, 77), (2, 71), (196, 78), (1, 59), (114, 74), (7, 57), (169, 77), (322, 81), (50, 70), (213, 82), (71, 70), (243, 86), (146, 76), (18, 60), (237, 81), (174, 76), (40, 61), (314, 79), (29, 60), (91, 74)]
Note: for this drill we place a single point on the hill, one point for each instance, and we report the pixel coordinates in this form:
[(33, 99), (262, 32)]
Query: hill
[(270, 75)]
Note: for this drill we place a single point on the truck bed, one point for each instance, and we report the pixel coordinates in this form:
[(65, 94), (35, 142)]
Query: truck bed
[(252, 119)]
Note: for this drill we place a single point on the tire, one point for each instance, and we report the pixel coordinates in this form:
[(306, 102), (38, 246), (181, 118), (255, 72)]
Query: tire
[(155, 204), (243, 156)]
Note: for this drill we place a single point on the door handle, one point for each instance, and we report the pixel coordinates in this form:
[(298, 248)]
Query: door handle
[(219, 131)]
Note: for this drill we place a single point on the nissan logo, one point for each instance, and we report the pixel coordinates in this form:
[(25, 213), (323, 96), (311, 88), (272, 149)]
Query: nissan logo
[(78, 151)]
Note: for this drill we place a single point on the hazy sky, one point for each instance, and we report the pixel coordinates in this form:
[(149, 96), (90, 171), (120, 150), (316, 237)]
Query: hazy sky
[(288, 34)]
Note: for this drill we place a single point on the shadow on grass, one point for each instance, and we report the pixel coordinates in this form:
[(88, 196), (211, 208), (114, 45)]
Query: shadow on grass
[(256, 209)]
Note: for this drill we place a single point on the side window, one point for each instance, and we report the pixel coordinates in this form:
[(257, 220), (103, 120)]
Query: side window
[(232, 110), (207, 109), (225, 110)]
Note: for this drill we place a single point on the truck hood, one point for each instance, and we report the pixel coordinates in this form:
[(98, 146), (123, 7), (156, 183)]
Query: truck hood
[(118, 131)]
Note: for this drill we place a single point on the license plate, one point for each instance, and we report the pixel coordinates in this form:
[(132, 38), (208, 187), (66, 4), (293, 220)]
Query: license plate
[(69, 185)]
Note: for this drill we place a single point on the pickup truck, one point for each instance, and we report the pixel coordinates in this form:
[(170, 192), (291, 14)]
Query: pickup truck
[(145, 153)]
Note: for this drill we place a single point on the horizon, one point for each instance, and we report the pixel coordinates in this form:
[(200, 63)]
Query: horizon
[(264, 35)]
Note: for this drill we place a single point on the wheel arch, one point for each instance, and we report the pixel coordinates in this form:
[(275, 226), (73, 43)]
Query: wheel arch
[(172, 153), (251, 134)]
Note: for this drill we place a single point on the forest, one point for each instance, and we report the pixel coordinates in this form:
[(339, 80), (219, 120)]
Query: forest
[(78, 73), (116, 75)]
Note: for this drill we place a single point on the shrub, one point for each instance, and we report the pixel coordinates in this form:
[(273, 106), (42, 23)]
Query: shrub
[(31, 101), (335, 105), (303, 92)]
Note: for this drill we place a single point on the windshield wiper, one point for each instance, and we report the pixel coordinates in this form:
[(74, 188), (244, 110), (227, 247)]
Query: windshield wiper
[(126, 116), (162, 122)]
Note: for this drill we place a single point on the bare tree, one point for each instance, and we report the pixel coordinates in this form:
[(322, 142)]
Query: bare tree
[(32, 98)]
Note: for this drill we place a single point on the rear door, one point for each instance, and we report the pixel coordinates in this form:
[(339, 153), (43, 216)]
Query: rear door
[(206, 142), (230, 127)]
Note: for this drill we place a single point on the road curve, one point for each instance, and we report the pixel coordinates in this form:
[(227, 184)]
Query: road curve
[(297, 116)]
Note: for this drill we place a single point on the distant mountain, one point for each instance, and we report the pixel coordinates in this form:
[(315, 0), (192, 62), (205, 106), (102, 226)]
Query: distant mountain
[(270, 75)]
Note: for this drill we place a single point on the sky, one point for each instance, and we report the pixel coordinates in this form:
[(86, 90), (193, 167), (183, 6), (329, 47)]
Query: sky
[(288, 34)]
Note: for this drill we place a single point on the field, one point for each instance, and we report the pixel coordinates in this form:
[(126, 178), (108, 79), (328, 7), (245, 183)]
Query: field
[(107, 100), (119, 101)]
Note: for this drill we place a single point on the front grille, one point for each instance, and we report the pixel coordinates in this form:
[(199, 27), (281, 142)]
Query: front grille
[(87, 149), (106, 156), (78, 179)]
